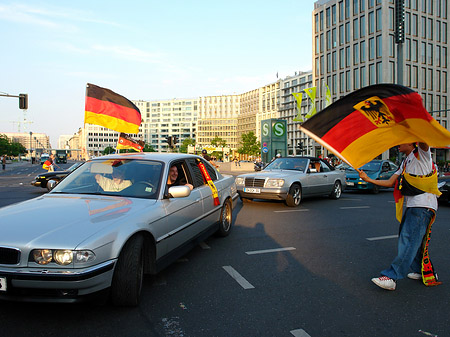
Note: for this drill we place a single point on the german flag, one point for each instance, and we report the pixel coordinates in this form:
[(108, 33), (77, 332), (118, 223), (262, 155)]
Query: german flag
[(369, 121), (126, 142), (106, 108)]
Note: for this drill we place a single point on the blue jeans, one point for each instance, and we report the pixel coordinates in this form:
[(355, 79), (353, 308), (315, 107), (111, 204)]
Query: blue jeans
[(413, 227)]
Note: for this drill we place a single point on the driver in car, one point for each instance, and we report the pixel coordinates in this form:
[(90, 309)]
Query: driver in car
[(173, 176), (116, 184)]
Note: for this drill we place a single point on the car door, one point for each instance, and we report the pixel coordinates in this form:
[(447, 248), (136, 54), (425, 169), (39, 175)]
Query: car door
[(210, 211), (314, 181), (183, 215)]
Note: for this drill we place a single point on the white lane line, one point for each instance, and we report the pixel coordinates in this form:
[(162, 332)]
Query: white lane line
[(293, 210), (238, 277), (269, 250), (299, 333), (349, 199), (354, 207), (204, 245), (382, 237)]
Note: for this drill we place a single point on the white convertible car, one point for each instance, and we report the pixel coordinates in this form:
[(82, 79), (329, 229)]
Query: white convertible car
[(291, 179), (109, 222)]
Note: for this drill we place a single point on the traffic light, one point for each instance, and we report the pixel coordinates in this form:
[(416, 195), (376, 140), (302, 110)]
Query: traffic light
[(23, 101), (174, 140), (169, 141)]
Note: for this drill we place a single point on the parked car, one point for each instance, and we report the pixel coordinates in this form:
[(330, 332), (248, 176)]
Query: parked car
[(375, 169), (444, 187), (41, 180), (291, 179), (109, 222)]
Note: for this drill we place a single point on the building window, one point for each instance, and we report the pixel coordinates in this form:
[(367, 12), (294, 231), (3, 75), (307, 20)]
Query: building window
[(341, 58), (341, 82), (423, 52), (408, 75), (372, 77), (379, 20), (355, 29), (333, 37), (347, 81), (430, 79), (356, 79), (363, 77), (371, 22), (408, 49), (414, 25), (379, 46), (355, 53), (380, 72), (362, 30), (363, 51), (333, 14), (328, 40), (355, 7), (327, 17), (371, 48), (341, 34), (414, 74), (341, 10)]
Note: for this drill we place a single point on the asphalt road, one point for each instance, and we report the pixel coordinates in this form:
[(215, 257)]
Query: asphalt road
[(282, 272)]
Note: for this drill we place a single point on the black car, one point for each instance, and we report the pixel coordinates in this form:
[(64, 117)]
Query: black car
[(42, 179), (444, 187)]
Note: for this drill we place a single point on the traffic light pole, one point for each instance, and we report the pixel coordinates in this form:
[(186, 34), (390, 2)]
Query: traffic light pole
[(23, 100)]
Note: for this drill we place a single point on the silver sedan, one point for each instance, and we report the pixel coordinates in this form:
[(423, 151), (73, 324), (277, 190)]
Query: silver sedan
[(109, 222), (290, 179)]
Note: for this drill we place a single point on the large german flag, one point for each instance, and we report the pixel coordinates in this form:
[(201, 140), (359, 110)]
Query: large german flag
[(126, 142), (113, 111), (369, 121)]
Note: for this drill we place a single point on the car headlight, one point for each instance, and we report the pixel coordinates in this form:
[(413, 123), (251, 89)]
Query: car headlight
[(62, 257), (43, 256), (274, 183), (441, 184), (239, 181)]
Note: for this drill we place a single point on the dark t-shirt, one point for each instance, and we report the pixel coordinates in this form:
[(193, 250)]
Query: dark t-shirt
[(207, 157)]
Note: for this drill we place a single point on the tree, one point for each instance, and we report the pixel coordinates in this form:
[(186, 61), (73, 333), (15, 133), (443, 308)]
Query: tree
[(186, 142), (4, 144), (10, 148), (109, 150), (250, 144), (219, 142), (148, 148)]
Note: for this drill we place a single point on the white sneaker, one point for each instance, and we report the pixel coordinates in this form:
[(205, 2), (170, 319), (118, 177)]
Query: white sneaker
[(414, 276), (384, 282)]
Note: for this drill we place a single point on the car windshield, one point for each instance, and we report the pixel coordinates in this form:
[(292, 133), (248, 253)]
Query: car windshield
[(118, 177), (371, 166), (297, 164)]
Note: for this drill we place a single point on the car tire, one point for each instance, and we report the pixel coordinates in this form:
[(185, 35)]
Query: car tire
[(337, 191), (375, 189), (226, 219), (129, 273), (294, 196)]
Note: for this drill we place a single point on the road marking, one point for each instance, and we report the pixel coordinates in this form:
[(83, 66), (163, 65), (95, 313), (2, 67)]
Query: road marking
[(349, 199), (382, 237), (354, 207), (293, 210), (269, 250), (299, 333), (204, 245), (238, 277)]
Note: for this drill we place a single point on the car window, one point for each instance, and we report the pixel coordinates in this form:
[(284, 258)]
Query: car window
[(197, 176), (324, 167), (126, 178), (183, 173), (371, 166)]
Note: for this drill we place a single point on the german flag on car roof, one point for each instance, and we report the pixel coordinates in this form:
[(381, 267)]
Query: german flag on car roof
[(113, 111), (369, 121)]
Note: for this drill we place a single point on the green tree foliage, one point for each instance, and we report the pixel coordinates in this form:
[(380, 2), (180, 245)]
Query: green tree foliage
[(219, 142), (10, 148), (185, 144), (109, 150), (148, 148), (249, 144)]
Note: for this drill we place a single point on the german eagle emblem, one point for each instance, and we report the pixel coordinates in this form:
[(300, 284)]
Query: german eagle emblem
[(376, 111)]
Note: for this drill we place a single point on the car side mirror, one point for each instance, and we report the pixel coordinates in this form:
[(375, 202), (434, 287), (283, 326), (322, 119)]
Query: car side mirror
[(179, 191), (51, 184)]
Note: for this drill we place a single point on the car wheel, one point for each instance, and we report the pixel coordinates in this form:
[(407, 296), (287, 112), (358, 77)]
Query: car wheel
[(294, 196), (375, 189), (129, 273), (226, 218), (337, 191)]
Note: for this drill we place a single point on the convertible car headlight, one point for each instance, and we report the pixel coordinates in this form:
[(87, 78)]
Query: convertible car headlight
[(274, 183), (239, 181), (63, 257), (42, 256)]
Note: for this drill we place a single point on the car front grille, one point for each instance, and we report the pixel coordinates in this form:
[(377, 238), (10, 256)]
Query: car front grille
[(254, 182), (9, 255)]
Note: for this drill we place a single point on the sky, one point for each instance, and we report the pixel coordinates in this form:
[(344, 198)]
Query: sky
[(143, 50)]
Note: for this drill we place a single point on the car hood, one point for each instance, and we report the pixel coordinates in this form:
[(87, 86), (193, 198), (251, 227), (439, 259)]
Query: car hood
[(355, 175), (271, 174), (65, 220)]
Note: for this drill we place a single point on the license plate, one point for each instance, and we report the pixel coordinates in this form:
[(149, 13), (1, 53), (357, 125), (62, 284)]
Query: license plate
[(2, 283), (350, 183), (252, 190)]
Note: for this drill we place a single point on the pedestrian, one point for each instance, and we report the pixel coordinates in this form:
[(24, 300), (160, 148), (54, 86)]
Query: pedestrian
[(208, 158), (3, 161), (237, 162), (416, 182)]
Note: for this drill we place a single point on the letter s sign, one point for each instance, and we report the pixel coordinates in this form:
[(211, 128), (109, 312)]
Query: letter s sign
[(265, 129), (279, 129)]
